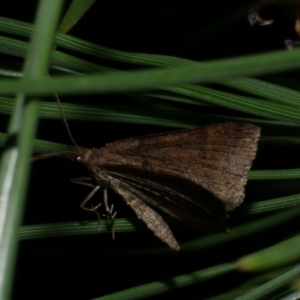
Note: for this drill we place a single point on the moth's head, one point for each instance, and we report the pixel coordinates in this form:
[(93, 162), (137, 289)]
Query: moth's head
[(82, 155)]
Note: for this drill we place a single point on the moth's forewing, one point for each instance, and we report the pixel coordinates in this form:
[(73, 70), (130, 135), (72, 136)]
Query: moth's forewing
[(216, 158)]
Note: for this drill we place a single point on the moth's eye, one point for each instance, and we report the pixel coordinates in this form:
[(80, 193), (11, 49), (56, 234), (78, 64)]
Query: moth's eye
[(78, 159)]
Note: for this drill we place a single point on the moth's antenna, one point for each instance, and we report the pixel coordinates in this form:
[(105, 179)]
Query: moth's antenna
[(53, 154), (65, 120)]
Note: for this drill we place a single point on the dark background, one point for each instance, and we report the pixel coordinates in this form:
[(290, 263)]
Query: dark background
[(91, 266)]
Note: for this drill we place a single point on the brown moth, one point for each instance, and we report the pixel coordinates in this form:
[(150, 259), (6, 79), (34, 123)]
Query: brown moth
[(195, 175)]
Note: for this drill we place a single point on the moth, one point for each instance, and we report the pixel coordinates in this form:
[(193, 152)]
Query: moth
[(195, 175), (284, 14)]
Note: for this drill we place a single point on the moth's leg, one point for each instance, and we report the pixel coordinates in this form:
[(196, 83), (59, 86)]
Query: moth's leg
[(94, 208), (109, 212), (82, 181), (88, 198)]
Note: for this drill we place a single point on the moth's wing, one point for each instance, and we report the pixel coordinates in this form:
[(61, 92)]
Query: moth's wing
[(152, 219), (176, 138), (216, 157), (178, 197)]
